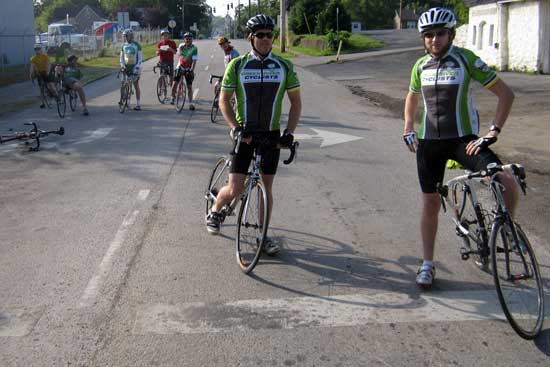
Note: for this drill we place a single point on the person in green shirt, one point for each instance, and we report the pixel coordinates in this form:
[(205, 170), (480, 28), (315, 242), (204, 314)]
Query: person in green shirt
[(259, 80), (130, 61), (71, 79)]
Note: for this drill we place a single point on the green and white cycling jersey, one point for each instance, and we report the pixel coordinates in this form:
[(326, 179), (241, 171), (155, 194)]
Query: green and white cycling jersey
[(130, 55), (449, 109), (260, 86)]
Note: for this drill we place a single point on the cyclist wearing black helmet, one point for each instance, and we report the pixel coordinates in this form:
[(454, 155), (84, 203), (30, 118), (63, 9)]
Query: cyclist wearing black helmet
[(188, 56), (260, 81), (450, 126), (71, 78)]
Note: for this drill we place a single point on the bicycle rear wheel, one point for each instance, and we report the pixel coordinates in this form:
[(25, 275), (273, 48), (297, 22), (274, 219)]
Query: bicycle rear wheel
[(251, 227), (73, 100), (61, 101), (517, 279), (124, 97), (215, 108), (181, 94), (218, 179), (162, 91)]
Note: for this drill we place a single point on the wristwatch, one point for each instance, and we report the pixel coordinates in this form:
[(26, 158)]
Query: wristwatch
[(494, 128)]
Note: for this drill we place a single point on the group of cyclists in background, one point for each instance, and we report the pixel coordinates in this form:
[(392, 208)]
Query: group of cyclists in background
[(259, 80)]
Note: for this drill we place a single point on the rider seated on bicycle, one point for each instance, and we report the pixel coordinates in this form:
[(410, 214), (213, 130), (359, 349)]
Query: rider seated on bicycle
[(40, 67), (258, 110), (71, 79), (188, 56), (130, 61)]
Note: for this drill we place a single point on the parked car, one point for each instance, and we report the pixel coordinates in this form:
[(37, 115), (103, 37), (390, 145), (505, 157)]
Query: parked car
[(61, 33)]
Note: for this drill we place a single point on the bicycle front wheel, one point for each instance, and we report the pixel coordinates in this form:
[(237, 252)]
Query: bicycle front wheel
[(73, 100), (181, 94), (124, 97), (251, 227), (517, 279), (215, 108), (218, 179), (162, 92), (61, 102)]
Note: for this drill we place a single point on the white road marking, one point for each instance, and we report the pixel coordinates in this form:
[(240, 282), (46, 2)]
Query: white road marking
[(307, 312), (327, 138), (92, 289), (211, 56), (18, 321), (195, 94), (96, 135), (206, 67)]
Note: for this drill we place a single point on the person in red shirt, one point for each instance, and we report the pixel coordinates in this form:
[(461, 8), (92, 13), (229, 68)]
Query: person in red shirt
[(166, 49)]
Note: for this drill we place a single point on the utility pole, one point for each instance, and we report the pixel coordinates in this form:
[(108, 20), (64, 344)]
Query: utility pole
[(282, 26), (249, 10), (182, 18), (400, 14)]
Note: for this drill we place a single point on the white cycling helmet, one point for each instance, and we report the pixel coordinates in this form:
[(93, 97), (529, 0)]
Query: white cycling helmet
[(436, 18), (127, 31)]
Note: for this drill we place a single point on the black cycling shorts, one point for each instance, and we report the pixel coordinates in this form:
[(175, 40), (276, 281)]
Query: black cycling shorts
[(169, 67), (189, 76), (270, 157), (432, 156)]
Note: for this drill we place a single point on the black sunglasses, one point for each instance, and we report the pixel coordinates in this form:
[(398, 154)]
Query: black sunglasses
[(261, 35), (431, 35)]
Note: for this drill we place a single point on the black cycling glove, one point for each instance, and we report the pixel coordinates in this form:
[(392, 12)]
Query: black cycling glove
[(485, 141), (286, 139)]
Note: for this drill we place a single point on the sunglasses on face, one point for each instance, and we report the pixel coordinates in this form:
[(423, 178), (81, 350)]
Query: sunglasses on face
[(431, 35), (188, 39), (261, 35)]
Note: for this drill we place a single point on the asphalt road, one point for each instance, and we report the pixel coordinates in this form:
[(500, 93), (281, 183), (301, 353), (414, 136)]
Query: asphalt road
[(106, 261)]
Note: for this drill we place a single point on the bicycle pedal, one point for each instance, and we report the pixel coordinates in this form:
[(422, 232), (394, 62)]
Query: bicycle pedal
[(465, 253)]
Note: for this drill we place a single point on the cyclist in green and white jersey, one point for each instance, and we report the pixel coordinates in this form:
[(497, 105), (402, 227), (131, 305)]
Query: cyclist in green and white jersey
[(130, 61), (450, 126), (260, 81), (188, 56)]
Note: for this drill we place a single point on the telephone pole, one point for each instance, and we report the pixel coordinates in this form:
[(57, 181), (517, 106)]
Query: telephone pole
[(182, 18), (282, 26)]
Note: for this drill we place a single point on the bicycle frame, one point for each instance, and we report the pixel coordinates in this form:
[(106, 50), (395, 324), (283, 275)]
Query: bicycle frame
[(35, 133)]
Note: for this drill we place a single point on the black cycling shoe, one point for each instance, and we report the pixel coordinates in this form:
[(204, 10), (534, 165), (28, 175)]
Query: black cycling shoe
[(214, 222)]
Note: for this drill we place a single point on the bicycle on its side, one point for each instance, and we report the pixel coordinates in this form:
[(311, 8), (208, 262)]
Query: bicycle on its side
[(493, 234), (33, 134), (252, 217), (216, 102), (126, 88), (162, 83)]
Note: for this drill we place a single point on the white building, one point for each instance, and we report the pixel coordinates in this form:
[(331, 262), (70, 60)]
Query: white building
[(510, 34), (16, 32)]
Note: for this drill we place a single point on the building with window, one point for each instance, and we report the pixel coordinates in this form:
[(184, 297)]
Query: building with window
[(509, 34)]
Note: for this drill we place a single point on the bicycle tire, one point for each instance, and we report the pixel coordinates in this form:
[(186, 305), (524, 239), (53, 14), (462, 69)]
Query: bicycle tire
[(124, 97), (218, 178), (509, 254), (61, 101), (44, 95), (181, 95), (215, 108), (73, 100), (162, 91), (252, 218), (471, 218)]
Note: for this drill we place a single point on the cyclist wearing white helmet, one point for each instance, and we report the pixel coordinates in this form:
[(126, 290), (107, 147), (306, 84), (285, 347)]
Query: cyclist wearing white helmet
[(449, 127), (166, 49), (130, 61)]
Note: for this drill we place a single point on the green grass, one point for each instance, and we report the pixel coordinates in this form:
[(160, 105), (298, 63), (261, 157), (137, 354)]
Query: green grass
[(287, 55), (112, 60), (356, 43)]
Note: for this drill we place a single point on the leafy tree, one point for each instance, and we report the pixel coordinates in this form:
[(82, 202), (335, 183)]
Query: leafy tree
[(302, 9), (327, 20), (57, 9)]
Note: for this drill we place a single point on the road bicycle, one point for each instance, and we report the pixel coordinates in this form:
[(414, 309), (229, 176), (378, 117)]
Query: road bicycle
[(162, 83), (60, 90), (252, 217), (47, 97), (126, 88), (33, 134), (493, 234), (215, 103), (181, 88)]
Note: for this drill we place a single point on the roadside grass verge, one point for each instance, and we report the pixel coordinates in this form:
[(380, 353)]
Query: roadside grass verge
[(14, 74), (354, 44)]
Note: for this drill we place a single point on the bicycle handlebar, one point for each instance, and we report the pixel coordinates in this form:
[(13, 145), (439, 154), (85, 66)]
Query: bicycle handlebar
[(35, 133), (269, 144), (212, 76)]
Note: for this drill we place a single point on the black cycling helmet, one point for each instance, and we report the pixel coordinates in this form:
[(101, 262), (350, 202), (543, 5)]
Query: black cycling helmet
[(260, 21), (71, 57)]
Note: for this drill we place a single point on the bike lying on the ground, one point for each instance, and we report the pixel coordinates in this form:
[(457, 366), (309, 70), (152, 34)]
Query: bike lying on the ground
[(493, 234), (33, 134), (252, 218)]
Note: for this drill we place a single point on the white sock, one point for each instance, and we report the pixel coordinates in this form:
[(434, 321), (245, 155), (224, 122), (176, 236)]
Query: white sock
[(138, 103), (427, 263)]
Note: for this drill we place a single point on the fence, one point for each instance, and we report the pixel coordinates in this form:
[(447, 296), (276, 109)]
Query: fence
[(16, 50)]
